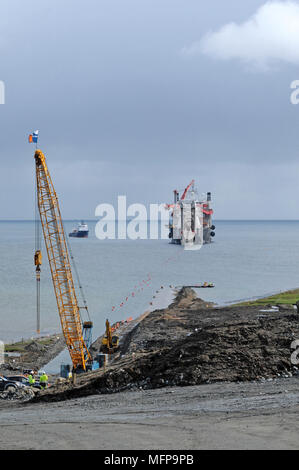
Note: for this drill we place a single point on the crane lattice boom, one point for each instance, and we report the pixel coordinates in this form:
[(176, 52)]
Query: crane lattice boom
[(60, 264)]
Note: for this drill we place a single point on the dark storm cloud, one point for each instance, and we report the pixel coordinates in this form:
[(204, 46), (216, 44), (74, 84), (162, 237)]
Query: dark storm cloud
[(121, 110)]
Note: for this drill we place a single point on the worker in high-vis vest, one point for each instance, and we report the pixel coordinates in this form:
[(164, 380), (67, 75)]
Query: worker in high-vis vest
[(31, 380), (43, 380)]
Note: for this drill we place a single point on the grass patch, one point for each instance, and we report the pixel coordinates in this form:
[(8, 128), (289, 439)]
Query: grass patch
[(16, 347), (45, 341), (289, 297), (20, 346)]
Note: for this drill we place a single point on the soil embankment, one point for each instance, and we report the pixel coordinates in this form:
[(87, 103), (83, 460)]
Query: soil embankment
[(191, 343), (31, 354)]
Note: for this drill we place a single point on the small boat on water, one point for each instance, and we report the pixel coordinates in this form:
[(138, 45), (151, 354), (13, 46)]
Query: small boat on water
[(81, 231)]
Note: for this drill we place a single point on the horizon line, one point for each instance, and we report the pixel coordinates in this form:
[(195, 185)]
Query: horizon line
[(148, 220)]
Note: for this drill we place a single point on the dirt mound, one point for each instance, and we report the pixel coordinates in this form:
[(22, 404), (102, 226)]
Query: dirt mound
[(187, 298), (228, 352), (21, 394), (32, 354), (187, 346), (34, 346), (162, 327), (184, 297)]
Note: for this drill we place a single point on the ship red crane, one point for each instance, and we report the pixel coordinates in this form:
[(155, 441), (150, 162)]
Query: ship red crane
[(187, 189)]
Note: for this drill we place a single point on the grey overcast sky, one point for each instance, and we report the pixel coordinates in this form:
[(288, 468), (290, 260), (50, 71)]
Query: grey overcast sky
[(138, 97)]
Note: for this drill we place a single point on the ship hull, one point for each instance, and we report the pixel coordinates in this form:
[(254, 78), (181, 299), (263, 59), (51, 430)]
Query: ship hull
[(80, 234), (207, 238)]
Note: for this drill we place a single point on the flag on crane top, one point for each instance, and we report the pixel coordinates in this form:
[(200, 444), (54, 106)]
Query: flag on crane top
[(33, 137)]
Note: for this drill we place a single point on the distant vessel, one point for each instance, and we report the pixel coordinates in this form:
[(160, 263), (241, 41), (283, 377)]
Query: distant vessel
[(81, 231), (190, 221)]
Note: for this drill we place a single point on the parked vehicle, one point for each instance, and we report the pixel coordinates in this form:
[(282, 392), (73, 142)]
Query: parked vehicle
[(23, 380), (7, 385), (19, 378)]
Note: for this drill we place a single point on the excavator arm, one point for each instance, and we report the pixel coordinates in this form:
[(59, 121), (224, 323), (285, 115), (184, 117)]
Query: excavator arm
[(59, 262), (110, 343)]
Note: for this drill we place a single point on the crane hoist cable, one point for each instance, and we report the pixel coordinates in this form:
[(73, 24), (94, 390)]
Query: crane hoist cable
[(87, 325), (37, 262), (85, 306), (59, 261)]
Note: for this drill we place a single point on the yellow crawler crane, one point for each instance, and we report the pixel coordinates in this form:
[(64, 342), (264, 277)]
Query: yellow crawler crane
[(60, 267)]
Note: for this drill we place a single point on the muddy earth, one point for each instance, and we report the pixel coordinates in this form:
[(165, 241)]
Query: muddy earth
[(193, 343), (31, 354), (191, 376)]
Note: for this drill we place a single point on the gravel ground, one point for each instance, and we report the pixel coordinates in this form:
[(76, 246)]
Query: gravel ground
[(233, 387), (257, 415)]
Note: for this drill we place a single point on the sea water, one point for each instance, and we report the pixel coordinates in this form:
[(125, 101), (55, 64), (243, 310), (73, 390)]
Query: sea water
[(247, 259)]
